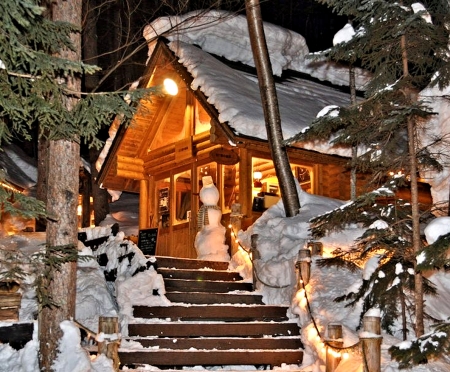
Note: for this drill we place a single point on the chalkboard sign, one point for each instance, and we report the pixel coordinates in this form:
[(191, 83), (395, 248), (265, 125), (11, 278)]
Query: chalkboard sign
[(147, 241)]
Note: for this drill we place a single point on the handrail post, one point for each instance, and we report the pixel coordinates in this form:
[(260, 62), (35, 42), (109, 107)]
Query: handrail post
[(371, 342), (303, 266), (254, 256), (108, 339), (334, 339)]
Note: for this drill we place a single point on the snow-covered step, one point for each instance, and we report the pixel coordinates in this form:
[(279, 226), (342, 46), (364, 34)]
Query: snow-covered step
[(160, 358), (224, 313), (222, 343), (189, 263), (214, 286), (197, 274), (214, 298), (214, 329)]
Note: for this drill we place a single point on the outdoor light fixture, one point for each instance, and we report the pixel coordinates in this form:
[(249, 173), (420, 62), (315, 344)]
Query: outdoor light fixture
[(170, 87)]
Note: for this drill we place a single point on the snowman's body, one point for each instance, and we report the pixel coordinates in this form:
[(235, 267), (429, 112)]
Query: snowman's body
[(210, 239)]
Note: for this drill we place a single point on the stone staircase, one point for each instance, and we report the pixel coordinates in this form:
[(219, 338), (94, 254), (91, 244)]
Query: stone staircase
[(215, 320)]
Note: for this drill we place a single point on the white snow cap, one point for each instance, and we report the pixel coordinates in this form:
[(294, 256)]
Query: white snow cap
[(373, 312), (344, 35), (436, 228), (419, 7), (226, 34), (331, 110)]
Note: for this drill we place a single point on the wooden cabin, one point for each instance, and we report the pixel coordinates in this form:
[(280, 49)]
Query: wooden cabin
[(175, 140)]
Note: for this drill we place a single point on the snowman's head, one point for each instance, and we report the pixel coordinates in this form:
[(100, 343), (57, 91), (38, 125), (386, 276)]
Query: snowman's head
[(209, 195)]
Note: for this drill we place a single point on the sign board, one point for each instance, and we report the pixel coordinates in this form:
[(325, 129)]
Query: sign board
[(183, 149), (224, 156), (147, 241)]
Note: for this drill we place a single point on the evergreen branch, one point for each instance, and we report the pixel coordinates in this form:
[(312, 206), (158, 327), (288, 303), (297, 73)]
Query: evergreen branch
[(423, 349), (435, 255)]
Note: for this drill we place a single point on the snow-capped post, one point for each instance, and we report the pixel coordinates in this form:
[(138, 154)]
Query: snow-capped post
[(254, 256), (303, 266), (334, 339), (371, 341), (108, 339)]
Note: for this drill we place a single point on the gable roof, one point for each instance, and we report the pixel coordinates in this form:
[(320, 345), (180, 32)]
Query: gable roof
[(231, 97)]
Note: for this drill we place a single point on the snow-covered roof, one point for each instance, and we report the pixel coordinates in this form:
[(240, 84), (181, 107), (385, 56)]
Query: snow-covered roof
[(226, 35), (19, 169), (236, 96)]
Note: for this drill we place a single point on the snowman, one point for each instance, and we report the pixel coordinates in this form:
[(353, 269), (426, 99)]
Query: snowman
[(210, 238)]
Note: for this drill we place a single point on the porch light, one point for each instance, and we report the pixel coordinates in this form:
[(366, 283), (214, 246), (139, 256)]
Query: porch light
[(170, 87)]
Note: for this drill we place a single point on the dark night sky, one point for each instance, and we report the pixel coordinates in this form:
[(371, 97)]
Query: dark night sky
[(314, 21)]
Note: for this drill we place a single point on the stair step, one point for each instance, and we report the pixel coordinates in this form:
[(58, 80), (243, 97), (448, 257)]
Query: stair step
[(211, 357), (213, 329), (218, 321), (222, 343), (214, 298), (199, 274), (213, 312), (180, 285), (188, 263)]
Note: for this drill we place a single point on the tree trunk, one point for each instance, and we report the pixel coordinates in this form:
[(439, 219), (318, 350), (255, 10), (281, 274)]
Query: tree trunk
[(100, 196), (352, 82), (41, 185), (416, 241), (415, 212), (62, 200), (61, 231), (403, 316), (269, 102)]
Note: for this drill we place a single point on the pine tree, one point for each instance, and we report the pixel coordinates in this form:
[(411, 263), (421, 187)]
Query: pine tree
[(405, 50), (39, 70)]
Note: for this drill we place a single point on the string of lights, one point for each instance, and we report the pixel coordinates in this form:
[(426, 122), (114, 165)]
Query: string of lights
[(336, 351), (325, 345)]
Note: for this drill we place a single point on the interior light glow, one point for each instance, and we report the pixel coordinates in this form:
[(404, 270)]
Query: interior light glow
[(257, 175)]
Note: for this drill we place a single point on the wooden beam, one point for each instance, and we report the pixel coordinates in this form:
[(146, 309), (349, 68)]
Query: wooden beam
[(128, 160), (130, 167), (130, 174), (144, 219)]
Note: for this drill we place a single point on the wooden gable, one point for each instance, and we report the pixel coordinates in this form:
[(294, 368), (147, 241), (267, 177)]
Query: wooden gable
[(160, 124)]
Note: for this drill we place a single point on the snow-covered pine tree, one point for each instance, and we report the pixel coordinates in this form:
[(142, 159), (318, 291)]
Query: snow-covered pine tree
[(31, 94), (387, 257), (404, 46), (436, 342)]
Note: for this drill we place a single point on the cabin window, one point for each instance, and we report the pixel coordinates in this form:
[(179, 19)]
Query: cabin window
[(163, 192), (183, 193), (266, 190), (230, 178)]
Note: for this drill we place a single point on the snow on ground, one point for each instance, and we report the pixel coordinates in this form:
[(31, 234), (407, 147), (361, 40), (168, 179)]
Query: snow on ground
[(279, 240)]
